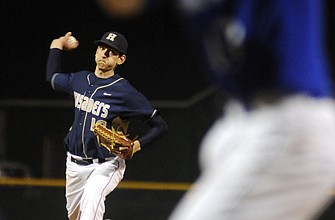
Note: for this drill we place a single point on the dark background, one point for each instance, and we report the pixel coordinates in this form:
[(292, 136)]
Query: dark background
[(162, 63)]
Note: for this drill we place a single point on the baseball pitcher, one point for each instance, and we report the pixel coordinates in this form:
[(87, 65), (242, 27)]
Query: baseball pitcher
[(97, 143)]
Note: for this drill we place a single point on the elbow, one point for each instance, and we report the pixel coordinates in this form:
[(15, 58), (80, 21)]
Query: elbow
[(161, 126), (158, 125), (165, 128)]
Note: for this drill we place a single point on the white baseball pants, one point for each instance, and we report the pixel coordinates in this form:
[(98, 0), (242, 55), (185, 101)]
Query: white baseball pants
[(88, 186)]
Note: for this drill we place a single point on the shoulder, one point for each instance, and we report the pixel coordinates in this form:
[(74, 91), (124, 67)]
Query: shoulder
[(73, 75), (82, 73), (124, 83)]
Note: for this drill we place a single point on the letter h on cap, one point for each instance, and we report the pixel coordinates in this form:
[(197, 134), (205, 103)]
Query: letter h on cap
[(111, 36)]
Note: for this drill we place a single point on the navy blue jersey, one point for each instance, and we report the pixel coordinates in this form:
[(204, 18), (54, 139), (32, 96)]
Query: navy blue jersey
[(257, 46), (99, 100)]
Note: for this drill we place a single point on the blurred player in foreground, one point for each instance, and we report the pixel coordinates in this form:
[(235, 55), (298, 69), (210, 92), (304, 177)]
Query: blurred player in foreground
[(272, 154), (102, 96)]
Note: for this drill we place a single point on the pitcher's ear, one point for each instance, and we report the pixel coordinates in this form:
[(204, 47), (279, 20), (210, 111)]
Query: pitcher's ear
[(121, 59)]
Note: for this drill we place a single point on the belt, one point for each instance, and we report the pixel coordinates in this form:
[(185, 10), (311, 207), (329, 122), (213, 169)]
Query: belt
[(88, 161)]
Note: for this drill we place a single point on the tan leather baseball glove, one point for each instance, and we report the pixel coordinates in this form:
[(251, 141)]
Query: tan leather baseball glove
[(114, 141)]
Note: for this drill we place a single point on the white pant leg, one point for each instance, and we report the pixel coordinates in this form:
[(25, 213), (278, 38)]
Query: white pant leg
[(276, 162), (76, 177), (88, 186), (102, 181)]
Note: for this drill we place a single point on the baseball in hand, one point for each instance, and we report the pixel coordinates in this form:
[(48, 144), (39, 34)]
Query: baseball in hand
[(72, 40)]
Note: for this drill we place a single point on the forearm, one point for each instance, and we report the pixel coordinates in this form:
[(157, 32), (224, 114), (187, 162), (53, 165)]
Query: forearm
[(53, 63), (158, 128)]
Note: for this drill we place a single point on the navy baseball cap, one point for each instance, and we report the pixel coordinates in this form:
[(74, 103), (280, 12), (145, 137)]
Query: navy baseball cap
[(114, 40)]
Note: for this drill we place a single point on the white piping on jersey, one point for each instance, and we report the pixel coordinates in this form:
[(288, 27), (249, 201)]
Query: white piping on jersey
[(53, 80), (152, 115), (84, 123)]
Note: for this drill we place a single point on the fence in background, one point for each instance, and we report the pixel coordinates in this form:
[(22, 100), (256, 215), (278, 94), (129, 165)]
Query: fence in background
[(31, 134)]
